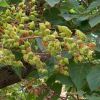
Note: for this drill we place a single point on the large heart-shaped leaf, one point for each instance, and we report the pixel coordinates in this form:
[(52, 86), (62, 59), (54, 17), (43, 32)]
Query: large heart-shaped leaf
[(53, 15), (93, 98), (52, 2), (78, 73), (93, 78), (94, 21)]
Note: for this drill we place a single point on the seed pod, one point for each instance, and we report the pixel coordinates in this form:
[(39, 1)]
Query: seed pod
[(13, 8), (27, 44), (21, 26), (8, 12), (66, 30), (48, 25), (8, 18), (21, 4), (16, 44), (46, 32), (80, 35), (24, 19), (66, 61), (32, 17), (42, 26), (32, 25)]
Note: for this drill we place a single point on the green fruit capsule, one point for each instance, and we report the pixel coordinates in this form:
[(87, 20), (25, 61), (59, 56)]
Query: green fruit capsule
[(1, 53), (27, 44), (8, 12), (51, 37), (8, 18), (6, 31), (5, 36), (24, 19), (21, 4), (47, 24), (16, 38), (62, 34), (58, 57), (30, 53), (45, 38), (18, 64), (42, 26), (66, 30), (80, 35), (46, 32), (56, 67), (32, 25), (13, 8), (33, 1), (30, 32), (22, 47), (36, 32), (32, 17), (66, 61), (31, 61), (21, 32), (33, 8), (16, 44), (21, 26), (55, 34), (69, 40), (24, 51)]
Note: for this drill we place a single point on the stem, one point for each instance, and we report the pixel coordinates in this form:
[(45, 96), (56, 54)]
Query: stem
[(30, 37)]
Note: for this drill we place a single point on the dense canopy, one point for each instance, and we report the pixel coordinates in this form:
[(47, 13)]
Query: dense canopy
[(49, 49)]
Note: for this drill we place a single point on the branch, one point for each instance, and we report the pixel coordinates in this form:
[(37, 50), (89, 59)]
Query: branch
[(9, 77), (30, 37)]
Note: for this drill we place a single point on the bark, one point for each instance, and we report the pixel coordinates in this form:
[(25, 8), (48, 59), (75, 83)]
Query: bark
[(9, 77)]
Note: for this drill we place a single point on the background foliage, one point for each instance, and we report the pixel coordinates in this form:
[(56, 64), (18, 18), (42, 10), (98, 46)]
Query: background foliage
[(84, 78)]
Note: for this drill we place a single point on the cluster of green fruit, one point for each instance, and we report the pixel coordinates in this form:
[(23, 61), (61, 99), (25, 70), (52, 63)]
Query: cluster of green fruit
[(8, 58), (63, 40), (49, 38), (16, 23), (19, 25), (76, 45), (30, 56), (10, 39), (61, 65)]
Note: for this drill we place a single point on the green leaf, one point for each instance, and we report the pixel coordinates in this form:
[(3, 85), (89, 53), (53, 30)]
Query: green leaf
[(53, 15), (98, 44), (64, 79), (94, 21), (30, 97), (51, 80), (93, 98), (40, 45), (93, 78), (70, 4), (78, 73), (52, 2), (57, 87), (67, 16), (14, 1), (32, 74), (3, 4), (93, 5)]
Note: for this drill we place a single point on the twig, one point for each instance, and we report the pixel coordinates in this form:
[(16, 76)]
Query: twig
[(30, 37)]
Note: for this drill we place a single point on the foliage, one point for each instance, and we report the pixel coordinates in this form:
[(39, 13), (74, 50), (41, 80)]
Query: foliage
[(74, 57)]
